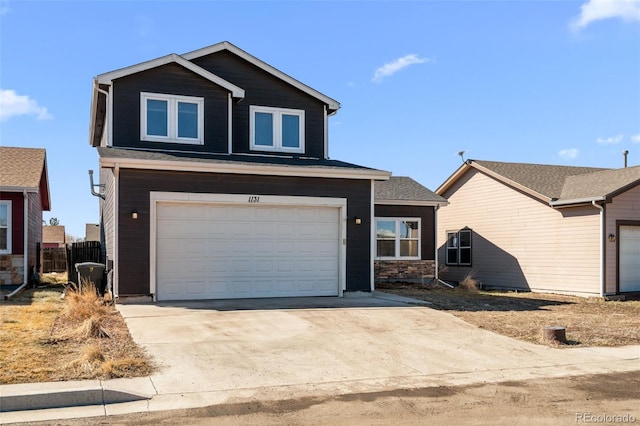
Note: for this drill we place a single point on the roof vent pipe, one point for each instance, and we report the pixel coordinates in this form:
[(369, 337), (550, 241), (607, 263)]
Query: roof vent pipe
[(100, 187), (625, 153)]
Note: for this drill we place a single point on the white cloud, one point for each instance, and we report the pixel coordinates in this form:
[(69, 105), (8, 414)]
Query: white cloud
[(391, 68), (569, 153), (12, 104), (610, 141), (635, 138), (596, 10)]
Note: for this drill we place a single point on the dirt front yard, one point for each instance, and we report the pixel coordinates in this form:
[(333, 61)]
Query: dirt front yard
[(588, 321), (46, 338)]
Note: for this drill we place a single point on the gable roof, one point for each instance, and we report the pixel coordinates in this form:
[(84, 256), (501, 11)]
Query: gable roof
[(21, 168), (107, 78), (556, 185), (102, 81), (402, 190), (225, 45)]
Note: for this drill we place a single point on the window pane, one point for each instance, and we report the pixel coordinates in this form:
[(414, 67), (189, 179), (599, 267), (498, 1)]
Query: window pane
[(409, 248), (187, 120), (452, 256), (3, 238), (157, 121), (3, 215), (386, 248), (290, 131), (452, 239), (263, 129), (385, 229), (465, 238), (409, 230), (465, 256)]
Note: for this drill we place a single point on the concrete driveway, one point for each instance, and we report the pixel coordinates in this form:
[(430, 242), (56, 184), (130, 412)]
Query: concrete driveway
[(231, 351)]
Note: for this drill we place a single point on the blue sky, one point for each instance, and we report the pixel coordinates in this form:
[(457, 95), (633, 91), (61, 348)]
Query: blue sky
[(553, 82)]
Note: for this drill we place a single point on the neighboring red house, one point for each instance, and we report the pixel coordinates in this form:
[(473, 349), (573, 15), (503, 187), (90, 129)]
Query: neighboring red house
[(24, 195), (53, 236)]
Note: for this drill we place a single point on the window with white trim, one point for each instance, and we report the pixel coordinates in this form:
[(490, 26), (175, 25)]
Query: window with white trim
[(397, 238), (5, 227), (171, 118), (276, 129), (459, 247)]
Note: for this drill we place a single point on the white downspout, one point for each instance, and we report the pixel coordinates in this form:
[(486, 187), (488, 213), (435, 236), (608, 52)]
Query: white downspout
[(25, 248), (230, 125), (372, 237), (116, 208), (435, 238), (602, 271)]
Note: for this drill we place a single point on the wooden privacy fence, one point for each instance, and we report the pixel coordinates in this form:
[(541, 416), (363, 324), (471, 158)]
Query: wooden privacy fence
[(86, 251), (54, 259)]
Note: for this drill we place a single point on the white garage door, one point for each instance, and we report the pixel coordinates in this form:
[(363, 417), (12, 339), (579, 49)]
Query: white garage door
[(221, 251), (629, 256)]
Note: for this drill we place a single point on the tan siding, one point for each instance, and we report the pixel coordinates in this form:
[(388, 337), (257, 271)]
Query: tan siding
[(519, 242), (625, 206), (106, 211)]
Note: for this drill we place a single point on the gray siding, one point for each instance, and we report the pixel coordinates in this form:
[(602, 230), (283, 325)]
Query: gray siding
[(134, 235), (107, 222)]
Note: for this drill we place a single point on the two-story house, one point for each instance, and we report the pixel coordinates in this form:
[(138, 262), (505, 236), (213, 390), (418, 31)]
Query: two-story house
[(216, 183)]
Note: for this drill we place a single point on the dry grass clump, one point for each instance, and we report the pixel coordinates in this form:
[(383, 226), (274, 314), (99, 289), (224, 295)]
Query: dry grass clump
[(469, 283), (46, 337), (521, 315)]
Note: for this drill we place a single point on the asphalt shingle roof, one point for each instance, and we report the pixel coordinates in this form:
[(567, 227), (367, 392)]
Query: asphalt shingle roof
[(21, 167), (402, 188), (565, 183)]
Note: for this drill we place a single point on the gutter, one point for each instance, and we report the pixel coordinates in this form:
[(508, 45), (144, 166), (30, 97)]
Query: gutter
[(602, 271), (25, 249), (587, 200)]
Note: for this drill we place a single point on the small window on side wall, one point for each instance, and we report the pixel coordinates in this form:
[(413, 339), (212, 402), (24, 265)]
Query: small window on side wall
[(171, 118), (276, 129), (5, 227), (459, 247)]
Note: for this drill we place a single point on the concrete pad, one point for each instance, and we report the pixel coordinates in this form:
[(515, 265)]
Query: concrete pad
[(337, 345)]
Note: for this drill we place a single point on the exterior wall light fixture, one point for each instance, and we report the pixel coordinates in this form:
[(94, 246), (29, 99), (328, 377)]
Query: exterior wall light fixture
[(134, 215), (612, 238), (358, 220)]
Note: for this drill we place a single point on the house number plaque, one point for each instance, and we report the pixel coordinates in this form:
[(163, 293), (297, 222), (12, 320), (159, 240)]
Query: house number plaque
[(254, 199)]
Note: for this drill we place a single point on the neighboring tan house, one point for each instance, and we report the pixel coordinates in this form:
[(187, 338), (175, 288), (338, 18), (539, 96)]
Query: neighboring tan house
[(92, 232), (24, 194), (542, 227), (53, 236), (405, 227), (217, 183)]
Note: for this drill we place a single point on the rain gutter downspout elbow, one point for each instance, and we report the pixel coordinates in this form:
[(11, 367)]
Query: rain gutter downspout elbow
[(25, 248), (602, 272)]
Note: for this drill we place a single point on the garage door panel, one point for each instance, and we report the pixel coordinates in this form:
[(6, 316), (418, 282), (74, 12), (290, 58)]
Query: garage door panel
[(629, 254), (222, 251)]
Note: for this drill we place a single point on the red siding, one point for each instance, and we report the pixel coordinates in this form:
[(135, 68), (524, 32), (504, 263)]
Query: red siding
[(17, 222)]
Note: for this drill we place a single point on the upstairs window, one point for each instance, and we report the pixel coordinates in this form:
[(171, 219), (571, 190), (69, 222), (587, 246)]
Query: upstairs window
[(397, 238), (5, 227), (171, 118), (459, 247), (276, 129)]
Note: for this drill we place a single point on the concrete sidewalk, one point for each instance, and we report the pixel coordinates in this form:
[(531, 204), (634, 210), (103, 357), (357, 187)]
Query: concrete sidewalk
[(218, 352)]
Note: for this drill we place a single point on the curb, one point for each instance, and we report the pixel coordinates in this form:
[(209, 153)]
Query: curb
[(39, 396)]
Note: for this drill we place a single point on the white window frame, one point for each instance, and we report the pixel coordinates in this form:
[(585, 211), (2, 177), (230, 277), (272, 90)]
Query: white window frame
[(8, 227), (172, 112), (277, 128), (398, 221), (458, 247)]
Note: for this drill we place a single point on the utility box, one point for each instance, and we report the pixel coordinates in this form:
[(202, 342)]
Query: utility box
[(91, 271)]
